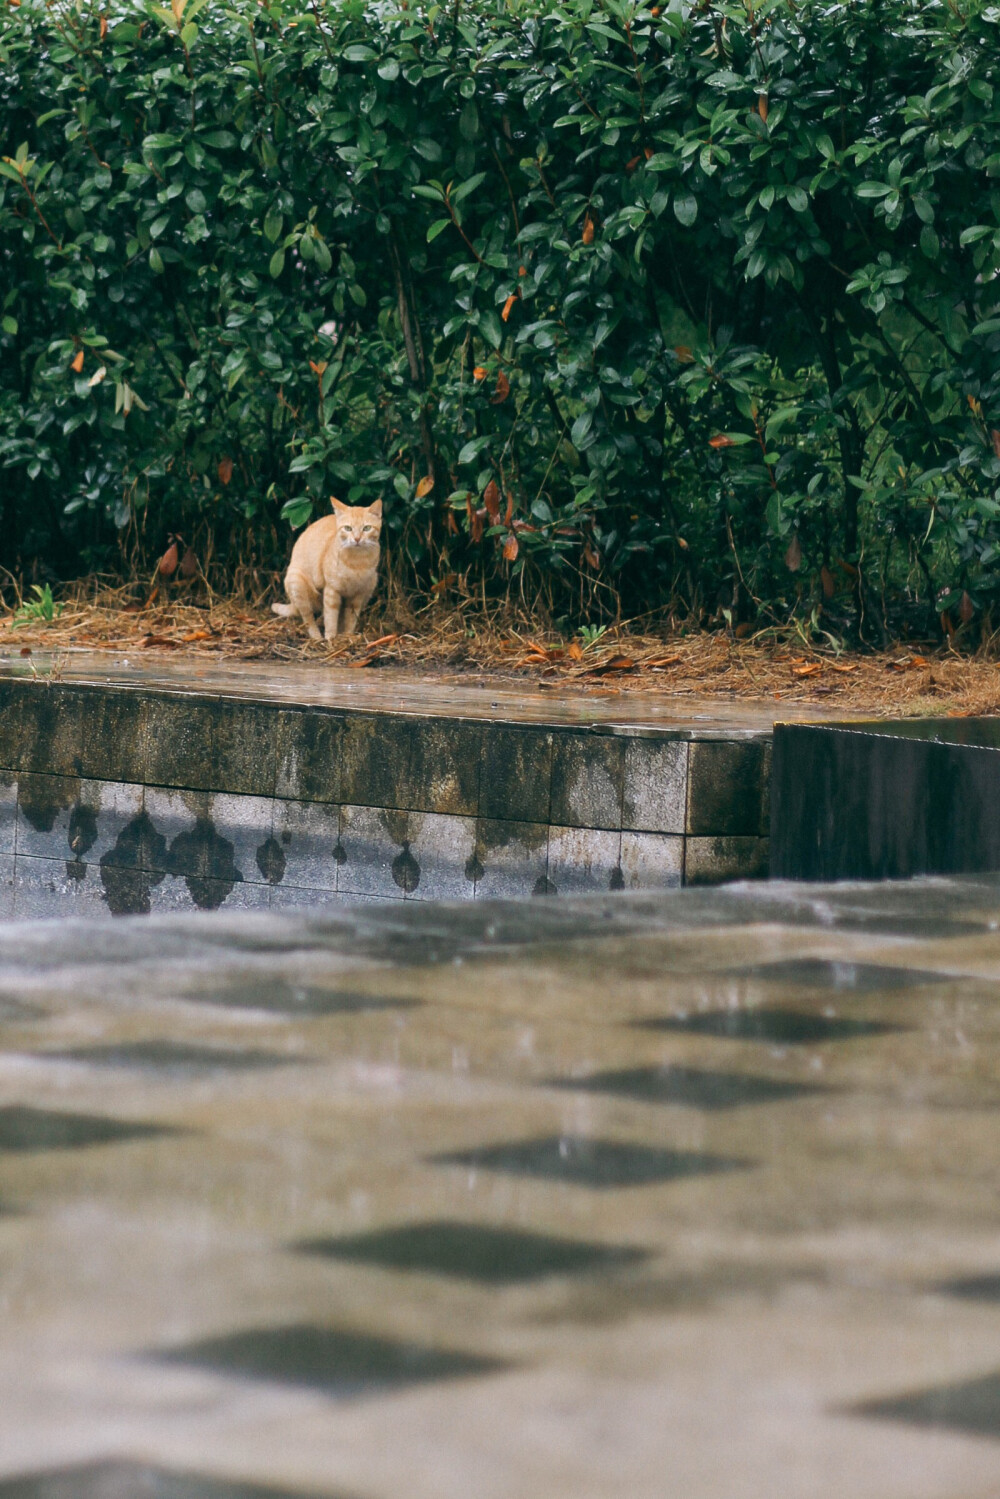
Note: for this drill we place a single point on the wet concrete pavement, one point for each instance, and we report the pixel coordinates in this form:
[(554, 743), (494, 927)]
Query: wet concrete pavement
[(686, 1194)]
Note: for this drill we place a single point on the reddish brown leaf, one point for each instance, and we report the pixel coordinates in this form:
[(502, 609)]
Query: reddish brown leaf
[(685, 356), (647, 151), (995, 438), (383, 640), (77, 363), (810, 669), (225, 470), (522, 270), (196, 635), (510, 551), (491, 499), (588, 229), (167, 564), (161, 642), (575, 651), (26, 650), (657, 663), (443, 584), (762, 107), (743, 629), (827, 580), (591, 557), (189, 564), (479, 373), (509, 512), (721, 440), (502, 390), (947, 624), (425, 486), (508, 305), (132, 609), (793, 556), (849, 666), (104, 27), (966, 608), (318, 367), (616, 663), (630, 166)]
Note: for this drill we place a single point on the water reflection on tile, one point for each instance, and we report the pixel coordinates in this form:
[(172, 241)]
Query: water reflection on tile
[(127, 1480), (971, 1406), (336, 1361), (687, 1086), (492, 1254), (780, 1027), (601, 1164), (28, 1129), (176, 1058), (841, 977), (279, 995)]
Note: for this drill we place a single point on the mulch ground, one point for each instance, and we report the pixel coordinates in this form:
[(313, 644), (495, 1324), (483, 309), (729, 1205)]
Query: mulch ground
[(902, 681)]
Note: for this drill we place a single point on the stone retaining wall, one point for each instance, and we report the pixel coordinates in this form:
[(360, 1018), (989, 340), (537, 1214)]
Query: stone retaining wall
[(139, 800)]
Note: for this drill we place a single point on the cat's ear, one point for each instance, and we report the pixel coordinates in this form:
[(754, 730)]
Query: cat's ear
[(376, 509), (338, 505)]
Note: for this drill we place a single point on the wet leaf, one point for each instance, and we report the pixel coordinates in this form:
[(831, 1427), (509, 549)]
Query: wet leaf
[(480, 372), (615, 663), (425, 486), (685, 356), (762, 107), (591, 557), (104, 27), (505, 314), (189, 564), (502, 390), (491, 499), (510, 552), (793, 556), (722, 440), (225, 470), (167, 565), (588, 229), (77, 363)]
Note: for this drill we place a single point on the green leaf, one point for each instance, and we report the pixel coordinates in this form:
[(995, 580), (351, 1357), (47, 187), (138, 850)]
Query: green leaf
[(9, 325), (296, 512), (360, 52), (273, 225), (930, 245), (156, 261), (686, 208), (437, 228), (277, 264), (388, 69)]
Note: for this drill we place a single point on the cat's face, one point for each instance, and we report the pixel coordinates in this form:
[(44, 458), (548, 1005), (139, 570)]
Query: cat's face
[(358, 525)]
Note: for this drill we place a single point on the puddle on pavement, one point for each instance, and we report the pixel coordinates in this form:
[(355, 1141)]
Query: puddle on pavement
[(375, 1204)]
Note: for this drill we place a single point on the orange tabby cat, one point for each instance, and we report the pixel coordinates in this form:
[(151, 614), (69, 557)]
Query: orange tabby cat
[(336, 560)]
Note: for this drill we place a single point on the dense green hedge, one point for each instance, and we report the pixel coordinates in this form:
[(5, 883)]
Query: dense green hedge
[(695, 302)]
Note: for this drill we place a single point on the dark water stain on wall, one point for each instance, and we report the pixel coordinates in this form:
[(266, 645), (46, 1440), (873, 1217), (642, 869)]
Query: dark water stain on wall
[(406, 870), (40, 798), (82, 836), (205, 861), (271, 861), (130, 870)]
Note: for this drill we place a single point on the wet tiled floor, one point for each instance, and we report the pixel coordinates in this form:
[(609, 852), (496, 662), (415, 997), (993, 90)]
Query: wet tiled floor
[(691, 1194)]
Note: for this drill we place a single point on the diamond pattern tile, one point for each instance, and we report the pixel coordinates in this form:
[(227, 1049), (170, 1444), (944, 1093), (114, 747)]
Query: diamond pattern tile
[(478, 1252), (687, 1086), (600, 1164), (24, 1129), (126, 1480), (780, 1027), (336, 1362), (971, 1406), (173, 1057)]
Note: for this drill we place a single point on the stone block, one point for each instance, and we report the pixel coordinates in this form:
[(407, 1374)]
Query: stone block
[(582, 860), (7, 867), (244, 747), (47, 888), (210, 835), (588, 773), (306, 837), (655, 785), (374, 861), (712, 861), (66, 817), (413, 764), (510, 859), (308, 755), (443, 850), (208, 895), (306, 898), (113, 734), (652, 861), (516, 774), (40, 726), (726, 787), (178, 748)]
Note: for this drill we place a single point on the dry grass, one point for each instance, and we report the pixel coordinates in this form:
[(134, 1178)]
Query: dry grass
[(456, 641)]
